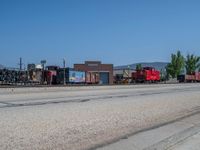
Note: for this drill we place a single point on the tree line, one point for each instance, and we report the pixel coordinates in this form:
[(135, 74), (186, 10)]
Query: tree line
[(180, 64)]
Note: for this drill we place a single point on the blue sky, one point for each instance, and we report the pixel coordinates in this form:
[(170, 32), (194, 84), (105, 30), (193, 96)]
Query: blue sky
[(113, 31)]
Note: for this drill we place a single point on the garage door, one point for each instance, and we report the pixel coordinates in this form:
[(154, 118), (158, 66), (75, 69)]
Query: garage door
[(104, 77)]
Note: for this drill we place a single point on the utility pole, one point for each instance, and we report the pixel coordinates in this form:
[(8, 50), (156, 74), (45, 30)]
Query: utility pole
[(20, 64), (64, 78)]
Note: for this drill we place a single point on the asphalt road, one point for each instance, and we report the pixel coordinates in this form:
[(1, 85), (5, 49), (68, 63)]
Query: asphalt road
[(192, 143), (82, 118)]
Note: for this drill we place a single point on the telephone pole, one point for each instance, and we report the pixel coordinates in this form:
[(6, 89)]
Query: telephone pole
[(20, 64)]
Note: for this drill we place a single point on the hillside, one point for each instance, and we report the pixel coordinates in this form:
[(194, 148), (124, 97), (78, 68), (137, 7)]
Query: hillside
[(157, 65)]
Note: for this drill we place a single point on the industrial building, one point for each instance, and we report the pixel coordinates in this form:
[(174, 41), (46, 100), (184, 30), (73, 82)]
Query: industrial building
[(96, 72)]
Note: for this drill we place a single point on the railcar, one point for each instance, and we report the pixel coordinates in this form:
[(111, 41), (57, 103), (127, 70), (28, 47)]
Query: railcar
[(189, 78), (71, 76), (146, 74)]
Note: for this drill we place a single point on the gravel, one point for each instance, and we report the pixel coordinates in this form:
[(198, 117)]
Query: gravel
[(89, 124)]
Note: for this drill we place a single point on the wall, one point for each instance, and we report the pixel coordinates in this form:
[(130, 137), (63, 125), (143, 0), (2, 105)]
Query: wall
[(96, 66)]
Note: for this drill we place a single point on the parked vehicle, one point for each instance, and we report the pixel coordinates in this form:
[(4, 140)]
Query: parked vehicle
[(71, 76), (123, 76), (92, 78), (76, 76), (189, 78), (146, 74), (50, 76), (13, 76), (35, 76)]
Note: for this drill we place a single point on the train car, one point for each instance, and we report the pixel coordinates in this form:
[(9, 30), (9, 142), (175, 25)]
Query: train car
[(76, 76), (71, 76), (50, 76), (12, 76), (198, 76), (189, 78), (34, 76), (52, 68), (118, 78), (123, 76), (146, 74), (92, 78)]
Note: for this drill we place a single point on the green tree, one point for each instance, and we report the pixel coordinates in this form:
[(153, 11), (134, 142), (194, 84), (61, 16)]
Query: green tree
[(176, 65), (139, 67), (192, 63)]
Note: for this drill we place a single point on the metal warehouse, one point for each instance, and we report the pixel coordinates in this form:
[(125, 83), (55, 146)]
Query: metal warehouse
[(96, 72)]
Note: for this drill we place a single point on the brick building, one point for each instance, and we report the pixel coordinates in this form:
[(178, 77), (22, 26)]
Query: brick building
[(96, 72)]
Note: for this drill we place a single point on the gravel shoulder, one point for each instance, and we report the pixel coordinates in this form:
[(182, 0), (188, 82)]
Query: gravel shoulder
[(89, 124)]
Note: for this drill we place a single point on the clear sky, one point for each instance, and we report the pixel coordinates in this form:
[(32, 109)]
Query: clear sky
[(113, 31)]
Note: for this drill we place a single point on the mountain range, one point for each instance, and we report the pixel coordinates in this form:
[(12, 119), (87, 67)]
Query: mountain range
[(156, 65)]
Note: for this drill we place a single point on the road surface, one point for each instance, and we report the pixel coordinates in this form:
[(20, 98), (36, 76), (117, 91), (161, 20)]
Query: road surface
[(83, 118)]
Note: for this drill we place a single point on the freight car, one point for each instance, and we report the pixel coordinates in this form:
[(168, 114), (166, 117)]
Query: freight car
[(12, 76), (35, 74), (71, 76), (50, 74), (189, 78), (146, 74), (123, 76), (92, 78), (76, 76)]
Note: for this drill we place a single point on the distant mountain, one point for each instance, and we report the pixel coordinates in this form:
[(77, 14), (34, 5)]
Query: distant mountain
[(157, 65)]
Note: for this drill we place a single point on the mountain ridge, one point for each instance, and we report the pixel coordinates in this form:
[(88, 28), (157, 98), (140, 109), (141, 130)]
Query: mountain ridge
[(157, 65)]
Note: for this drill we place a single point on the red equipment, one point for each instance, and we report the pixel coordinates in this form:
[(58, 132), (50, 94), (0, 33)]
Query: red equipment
[(50, 76), (147, 74)]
